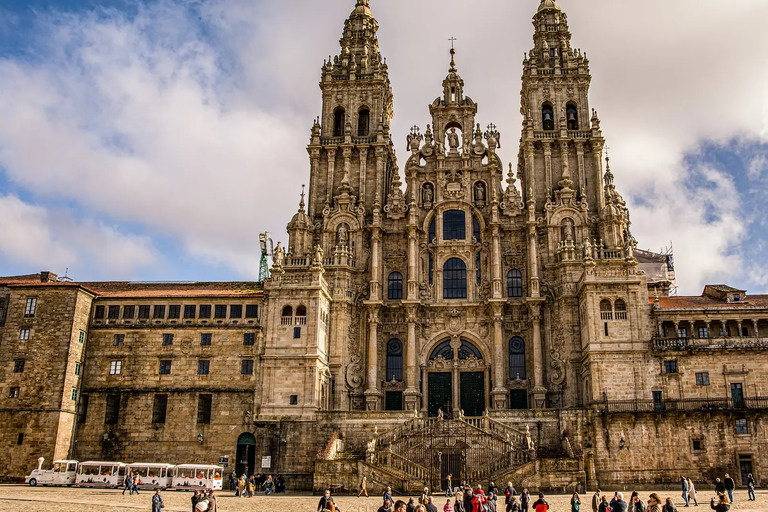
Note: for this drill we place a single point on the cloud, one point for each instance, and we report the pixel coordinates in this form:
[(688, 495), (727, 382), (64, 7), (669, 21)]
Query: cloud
[(43, 239), (190, 119)]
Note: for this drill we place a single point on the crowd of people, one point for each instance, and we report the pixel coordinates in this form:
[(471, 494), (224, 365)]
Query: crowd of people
[(247, 486)]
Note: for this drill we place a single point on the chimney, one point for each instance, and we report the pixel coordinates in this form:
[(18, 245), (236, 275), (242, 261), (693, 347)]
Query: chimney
[(48, 277)]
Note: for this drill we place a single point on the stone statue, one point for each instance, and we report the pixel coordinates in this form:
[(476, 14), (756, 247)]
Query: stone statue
[(279, 256), (318, 261), (343, 234), (428, 194), (453, 140), (440, 415), (479, 191), (568, 231)]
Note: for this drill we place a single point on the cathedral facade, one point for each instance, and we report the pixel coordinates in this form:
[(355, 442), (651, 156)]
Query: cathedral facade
[(453, 315)]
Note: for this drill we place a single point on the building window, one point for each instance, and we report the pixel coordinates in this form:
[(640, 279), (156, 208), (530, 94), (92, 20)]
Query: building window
[(296, 333), (82, 410), (301, 315), (113, 312), (294, 400), (220, 311), (74, 394), (119, 340), (697, 445), (159, 313), (432, 232), (112, 414), (174, 312), (2, 312), (394, 361), (14, 392), (81, 337), (339, 120), (77, 369), (606, 310), (189, 312), (478, 269), (682, 332), (249, 339), (18, 366), (476, 229), (251, 311), (620, 308), (159, 408), (205, 311), (741, 426), (236, 311), (454, 225), (204, 405), (203, 367), (20, 439), (165, 367), (363, 119), (143, 312), (24, 334), (745, 331), (129, 312), (703, 333), (98, 313), (547, 117), (205, 339), (455, 279), (167, 340), (246, 367), (517, 359), (287, 316), (670, 366), (395, 286), (572, 116), (30, 308), (514, 284), (115, 367)]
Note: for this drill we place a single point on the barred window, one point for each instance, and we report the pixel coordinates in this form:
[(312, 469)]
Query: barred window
[(98, 313), (119, 340), (113, 313), (190, 312), (220, 312), (455, 279), (251, 311), (143, 312), (174, 312), (249, 338), (167, 340), (165, 367), (30, 308), (246, 367), (236, 311), (205, 339), (159, 313), (129, 312), (205, 311), (203, 367)]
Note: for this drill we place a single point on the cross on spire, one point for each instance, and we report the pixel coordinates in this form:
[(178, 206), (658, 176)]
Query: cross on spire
[(452, 40)]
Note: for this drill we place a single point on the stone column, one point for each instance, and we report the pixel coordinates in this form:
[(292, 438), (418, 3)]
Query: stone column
[(530, 174), (597, 150), (373, 393), (411, 391), (413, 283), (496, 263), (455, 391), (739, 327), (548, 164), (757, 331), (424, 387), (313, 199), (499, 393), (331, 168), (539, 390), (363, 171), (580, 159), (375, 264)]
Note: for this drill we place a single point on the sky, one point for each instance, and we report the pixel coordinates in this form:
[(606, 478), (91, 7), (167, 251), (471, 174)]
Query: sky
[(155, 140)]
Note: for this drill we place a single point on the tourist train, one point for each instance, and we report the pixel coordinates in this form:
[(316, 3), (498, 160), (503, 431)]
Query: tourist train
[(105, 474)]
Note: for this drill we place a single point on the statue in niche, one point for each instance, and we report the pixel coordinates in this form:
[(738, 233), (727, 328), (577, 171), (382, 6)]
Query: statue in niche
[(453, 140), (342, 236), (569, 233), (318, 261), (279, 256), (428, 194), (480, 191)]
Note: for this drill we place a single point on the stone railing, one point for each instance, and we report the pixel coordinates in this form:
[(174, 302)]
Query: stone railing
[(687, 405), (687, 343)]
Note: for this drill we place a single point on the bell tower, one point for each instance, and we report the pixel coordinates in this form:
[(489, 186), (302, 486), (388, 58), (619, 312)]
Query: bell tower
[(350, 148)]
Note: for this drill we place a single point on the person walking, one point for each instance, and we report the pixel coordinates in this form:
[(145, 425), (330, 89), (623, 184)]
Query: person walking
[(719, 486), (449, 486), (721, 505), (730, 485), (525, 500), (669, 506), (136, 482), (751, 487), (686, 490), (388, 495), (269, 485), (363, 489), (654, 503), (596, 500), (692, 493), (128, 484), (250, 486), (157, 502), (575, 502), (232, 481)]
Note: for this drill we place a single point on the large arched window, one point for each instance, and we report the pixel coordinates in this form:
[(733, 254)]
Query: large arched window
[(395, 286), (363, 120), (620, 308), (394, 360), (517, 358), (455, 279), (443, 350), (454, 225), (572, 116), (468, 350), (606, 310), (514, 284), (339, 120), (547, 117), (287, 316)]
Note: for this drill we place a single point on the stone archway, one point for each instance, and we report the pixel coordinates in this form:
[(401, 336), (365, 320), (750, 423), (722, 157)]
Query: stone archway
[(457, 378), (245, 461)]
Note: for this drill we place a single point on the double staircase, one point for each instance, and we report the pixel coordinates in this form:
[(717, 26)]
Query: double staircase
[(423, 451)]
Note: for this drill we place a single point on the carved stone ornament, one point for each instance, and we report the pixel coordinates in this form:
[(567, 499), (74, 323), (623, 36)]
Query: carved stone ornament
[(354, 372), (472, 363), (518, 383), (440, 364), (456, 321)]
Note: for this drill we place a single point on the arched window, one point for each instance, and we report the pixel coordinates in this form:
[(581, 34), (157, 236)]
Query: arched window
[(432, 233), (394, 360), (363, 120), (572, 116), (455, 279), (476, 229), (301, 315), (443, 350), (287, 316), (468, 350), (620, 308), (395, 286), (606, 311), (514, 284), (548, 117), (339, 120), (517, 358), (478, 269), (454, 225)]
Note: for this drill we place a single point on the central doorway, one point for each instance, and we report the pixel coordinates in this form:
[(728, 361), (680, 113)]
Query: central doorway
[(473, 393), (451, 465), (245, 463), (440, 391)]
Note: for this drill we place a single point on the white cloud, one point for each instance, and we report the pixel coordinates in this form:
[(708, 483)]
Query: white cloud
[(757, 166), (200, 136)]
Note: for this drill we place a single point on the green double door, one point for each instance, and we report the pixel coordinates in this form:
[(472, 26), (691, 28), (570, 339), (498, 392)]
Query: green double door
[(471, 392)]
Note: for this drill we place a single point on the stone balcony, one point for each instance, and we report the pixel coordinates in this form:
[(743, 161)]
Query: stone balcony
[(687, 405), (696, 344)]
